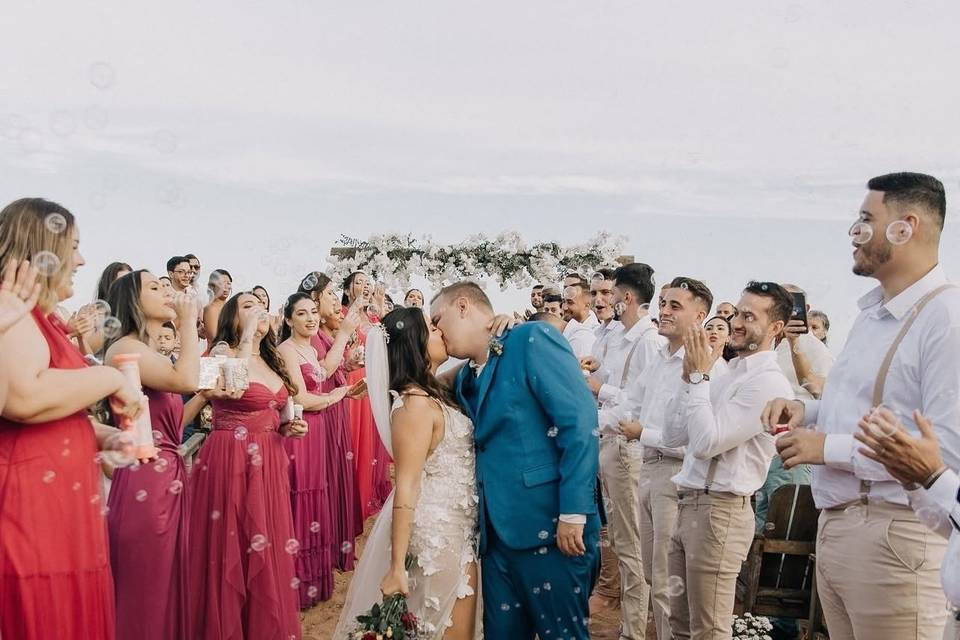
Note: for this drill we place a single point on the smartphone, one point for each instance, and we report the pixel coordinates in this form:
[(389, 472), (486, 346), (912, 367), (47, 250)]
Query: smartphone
[(799, 311)]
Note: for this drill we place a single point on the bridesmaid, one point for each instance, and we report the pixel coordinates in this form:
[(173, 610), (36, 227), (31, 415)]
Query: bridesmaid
[(330, 343), (372, 460), (148, 517), (54, 567), (241, 567), (311, 500)]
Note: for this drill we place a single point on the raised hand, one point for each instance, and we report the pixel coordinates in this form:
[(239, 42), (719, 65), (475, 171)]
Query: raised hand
[(908, 459), (19, 292)]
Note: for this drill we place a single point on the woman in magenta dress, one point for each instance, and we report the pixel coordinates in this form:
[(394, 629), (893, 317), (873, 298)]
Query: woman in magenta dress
[(311, 456), (54, 567), (330, 343), (148, 516), (242, 543), (371, 458)]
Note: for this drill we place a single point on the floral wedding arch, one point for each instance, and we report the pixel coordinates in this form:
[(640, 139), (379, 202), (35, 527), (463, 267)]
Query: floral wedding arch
[(394, 259)]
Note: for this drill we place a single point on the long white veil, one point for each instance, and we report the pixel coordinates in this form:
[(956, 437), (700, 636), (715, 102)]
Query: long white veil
[(364, 589)]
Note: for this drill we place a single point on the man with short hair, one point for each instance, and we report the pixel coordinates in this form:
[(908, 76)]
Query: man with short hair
[(631, 349), (536, 300), (538, 528), (582, 324), (553, 301), (684, 304), (877, 564), (726, 310), (726, 461), (181, 275), (194, 272)]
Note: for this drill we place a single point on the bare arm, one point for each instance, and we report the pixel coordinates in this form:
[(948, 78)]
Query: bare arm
[(309, 401), (192, 408), (412, 432), (37, 393)]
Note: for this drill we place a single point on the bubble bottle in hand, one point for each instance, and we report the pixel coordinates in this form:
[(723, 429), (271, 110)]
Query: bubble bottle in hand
[(144, 448)]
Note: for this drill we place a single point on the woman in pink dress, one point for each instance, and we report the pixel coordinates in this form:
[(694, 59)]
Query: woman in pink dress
[(311, 456), (242, 543), (371, 458), (148, 515), (54, 567), (330, 343)]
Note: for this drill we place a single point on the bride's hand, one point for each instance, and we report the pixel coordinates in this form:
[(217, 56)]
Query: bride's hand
[(501, 324), (395, 582)]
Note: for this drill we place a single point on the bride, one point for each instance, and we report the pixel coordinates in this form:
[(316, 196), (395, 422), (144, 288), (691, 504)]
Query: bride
[(432, 514)]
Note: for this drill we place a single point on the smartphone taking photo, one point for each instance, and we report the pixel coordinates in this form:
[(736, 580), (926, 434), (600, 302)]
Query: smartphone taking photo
[(799, 311)]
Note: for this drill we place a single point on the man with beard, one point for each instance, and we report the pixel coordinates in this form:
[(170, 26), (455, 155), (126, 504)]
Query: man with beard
[(684, 304), (728, 454), (536, 300), (877, 564)]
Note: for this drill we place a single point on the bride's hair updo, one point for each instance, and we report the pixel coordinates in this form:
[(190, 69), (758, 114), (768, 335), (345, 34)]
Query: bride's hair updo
[(407, 337)]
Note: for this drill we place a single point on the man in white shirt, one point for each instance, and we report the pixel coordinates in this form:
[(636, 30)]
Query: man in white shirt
[(581, 322), (728, 453), (902, 352), (648, 406), (630, 350), (602, 297)]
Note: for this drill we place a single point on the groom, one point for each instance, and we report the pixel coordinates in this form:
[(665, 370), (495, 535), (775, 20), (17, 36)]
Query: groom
[(537, 454)]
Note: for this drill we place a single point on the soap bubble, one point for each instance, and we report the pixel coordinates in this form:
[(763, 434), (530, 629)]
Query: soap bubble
[(346, 547), (315, 527), (102, 75), (176, 487), (258, 542), (292, 546), (675, 586), (111, 327), (295, 583), (55, 222), (141, 496), (860, 232), (102, 307), (46, 262), (49, 476), (240, 433), (312, 592), (309, 283), (215, 515), (543, 535)]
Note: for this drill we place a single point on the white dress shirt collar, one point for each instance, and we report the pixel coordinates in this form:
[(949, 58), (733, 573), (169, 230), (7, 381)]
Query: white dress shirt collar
[(903, 302)]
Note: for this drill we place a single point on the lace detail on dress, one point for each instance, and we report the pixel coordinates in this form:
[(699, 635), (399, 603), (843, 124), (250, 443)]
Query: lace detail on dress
[(444, 537)]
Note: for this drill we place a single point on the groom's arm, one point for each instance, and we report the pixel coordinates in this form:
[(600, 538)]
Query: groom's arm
[(555, 378)]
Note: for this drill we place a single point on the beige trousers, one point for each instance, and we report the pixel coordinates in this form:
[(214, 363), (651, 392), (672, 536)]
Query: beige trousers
[(620, 470), (878, 574), (952, 630), (658, 516), (710, 541)]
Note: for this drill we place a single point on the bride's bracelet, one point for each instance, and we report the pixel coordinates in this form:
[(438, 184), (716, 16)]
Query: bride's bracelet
[(403, 506)]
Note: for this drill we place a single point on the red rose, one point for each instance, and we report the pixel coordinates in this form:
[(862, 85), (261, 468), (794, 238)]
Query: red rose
[(409, 621), (369, 635)]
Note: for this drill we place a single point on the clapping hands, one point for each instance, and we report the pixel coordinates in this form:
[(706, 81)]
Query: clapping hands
[(19, 292)]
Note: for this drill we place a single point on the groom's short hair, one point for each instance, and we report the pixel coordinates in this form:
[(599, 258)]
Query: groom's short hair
[(466, 289)]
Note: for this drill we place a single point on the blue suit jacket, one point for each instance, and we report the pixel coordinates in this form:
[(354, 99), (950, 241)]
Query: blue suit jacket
[(535, 425)]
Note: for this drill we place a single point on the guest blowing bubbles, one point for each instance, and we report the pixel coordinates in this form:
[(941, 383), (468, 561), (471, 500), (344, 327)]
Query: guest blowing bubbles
[(50, 388)]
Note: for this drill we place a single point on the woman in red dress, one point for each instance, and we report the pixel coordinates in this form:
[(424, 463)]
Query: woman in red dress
[(242, 542), (371, 458), (54, 567)]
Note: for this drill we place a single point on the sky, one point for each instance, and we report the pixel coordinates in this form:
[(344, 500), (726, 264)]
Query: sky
[(728, 141)]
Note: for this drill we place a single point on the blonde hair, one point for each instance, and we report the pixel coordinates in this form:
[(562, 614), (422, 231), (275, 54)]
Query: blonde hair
[(26, 230)]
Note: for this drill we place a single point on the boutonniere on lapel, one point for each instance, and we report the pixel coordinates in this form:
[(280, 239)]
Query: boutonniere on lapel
[(496, 346)]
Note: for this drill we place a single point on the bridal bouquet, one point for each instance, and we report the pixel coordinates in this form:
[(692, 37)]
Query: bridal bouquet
[(389, 620), (751, 627)]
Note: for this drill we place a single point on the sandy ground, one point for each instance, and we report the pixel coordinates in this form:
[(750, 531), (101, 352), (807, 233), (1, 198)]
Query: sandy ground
[(319, 622)]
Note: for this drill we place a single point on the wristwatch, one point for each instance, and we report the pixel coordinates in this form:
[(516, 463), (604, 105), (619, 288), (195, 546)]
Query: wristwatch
[(696, 377)]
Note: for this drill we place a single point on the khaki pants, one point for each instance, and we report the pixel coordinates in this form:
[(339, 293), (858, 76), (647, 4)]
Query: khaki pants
[(952, 630), (878, 574), (658, 516), (711, 539), (620, 470)]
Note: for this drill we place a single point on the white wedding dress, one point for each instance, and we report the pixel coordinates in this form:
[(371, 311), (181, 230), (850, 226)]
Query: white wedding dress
[(443, 540)]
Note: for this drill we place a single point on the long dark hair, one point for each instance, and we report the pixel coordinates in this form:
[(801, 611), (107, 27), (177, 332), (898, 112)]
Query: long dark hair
[(124, 300), (728, 352), (345, 300), (314, 283), (265, 292), (228, 330), (285, 330), (108, 277), (407, 353)]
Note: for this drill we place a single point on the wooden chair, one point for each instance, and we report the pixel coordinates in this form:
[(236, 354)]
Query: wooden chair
[(777, 577)]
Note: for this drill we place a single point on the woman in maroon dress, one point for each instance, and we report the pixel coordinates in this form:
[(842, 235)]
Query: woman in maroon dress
[(54, 568), (311, 456), (242, 544), (330, 343), (148, 517)]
